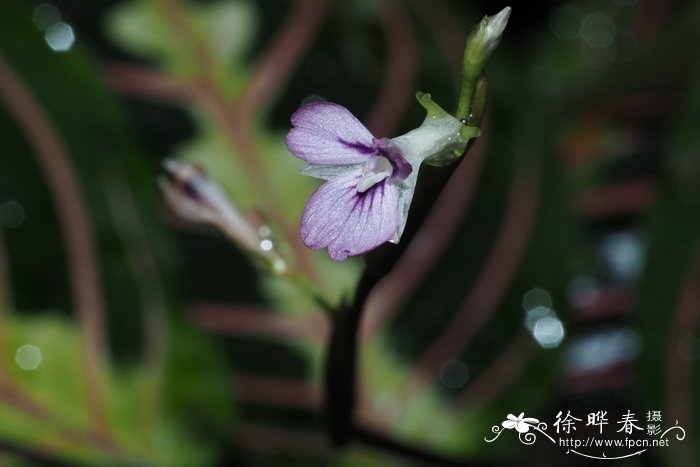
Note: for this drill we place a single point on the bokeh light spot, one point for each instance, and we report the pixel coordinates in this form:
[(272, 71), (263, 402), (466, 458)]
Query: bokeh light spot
[(535, 298), (598, 30), (536, 314), (45, 16), (454, 374), (60, 37), (28, 357), (623, 254), (12, 214), (264, 231), (601, 349), (548, 332)]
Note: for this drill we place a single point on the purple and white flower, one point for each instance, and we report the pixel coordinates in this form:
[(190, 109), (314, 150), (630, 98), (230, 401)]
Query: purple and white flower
[(369, 181)]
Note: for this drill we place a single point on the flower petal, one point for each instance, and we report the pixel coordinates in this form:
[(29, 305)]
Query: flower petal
[(346, 222), (326, 172), (388, 149), (325, 133), (508, 424), (406, 189)]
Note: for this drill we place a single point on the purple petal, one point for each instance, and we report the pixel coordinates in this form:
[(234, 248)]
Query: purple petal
[(328, 134), (346, 222)]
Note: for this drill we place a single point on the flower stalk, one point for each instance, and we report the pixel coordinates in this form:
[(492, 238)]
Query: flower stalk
[(443, 140)]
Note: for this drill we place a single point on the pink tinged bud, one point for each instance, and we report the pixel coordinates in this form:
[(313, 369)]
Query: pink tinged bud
[(495, 25), (196, 198)]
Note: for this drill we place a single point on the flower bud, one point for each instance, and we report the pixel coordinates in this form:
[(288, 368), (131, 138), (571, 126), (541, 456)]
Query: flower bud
[(484, 38), (198, 199)]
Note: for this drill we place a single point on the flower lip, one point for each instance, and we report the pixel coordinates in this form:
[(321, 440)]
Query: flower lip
[(387, 148)]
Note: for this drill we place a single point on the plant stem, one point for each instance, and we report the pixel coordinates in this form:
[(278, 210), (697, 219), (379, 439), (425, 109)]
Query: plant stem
[(341, 363)]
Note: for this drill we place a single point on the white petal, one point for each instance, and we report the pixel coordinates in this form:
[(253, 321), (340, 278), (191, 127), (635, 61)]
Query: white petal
[(326, 172), (406, 189)]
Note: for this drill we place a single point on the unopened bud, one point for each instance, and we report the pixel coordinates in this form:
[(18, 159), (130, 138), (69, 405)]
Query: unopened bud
[(196, 198)]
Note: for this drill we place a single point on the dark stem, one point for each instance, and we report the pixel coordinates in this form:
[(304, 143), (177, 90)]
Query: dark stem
[(340, 387), (341, 359)]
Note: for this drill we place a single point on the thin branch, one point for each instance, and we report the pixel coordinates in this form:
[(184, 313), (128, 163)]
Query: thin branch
[(82, 260), (282, 440), (151, 289), (283, 54), (235, 124), (621, 198), (196, 48), (144, 82), (18, 400), (398, 87), (277, 391), (260, 322), (605, 304)]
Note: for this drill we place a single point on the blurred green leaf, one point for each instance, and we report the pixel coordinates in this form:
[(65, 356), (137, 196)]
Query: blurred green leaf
[(171, 35), (54, 384)]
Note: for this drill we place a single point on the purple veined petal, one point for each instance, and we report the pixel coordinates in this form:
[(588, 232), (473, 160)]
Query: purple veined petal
[(346, 222), (377, 169), (325, 133)]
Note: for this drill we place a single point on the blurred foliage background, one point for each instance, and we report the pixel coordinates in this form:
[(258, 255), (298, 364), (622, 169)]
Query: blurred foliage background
[(559, 270)]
